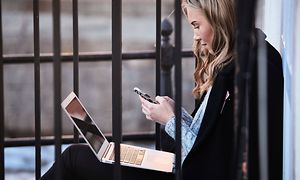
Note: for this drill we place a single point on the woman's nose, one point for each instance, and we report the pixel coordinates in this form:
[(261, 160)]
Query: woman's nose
[(196, 36)]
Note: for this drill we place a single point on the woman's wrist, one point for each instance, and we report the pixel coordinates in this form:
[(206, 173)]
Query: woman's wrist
[(169, 127)]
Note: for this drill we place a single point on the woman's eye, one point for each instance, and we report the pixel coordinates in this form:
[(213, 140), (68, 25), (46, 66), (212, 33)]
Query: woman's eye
[(196, 27)]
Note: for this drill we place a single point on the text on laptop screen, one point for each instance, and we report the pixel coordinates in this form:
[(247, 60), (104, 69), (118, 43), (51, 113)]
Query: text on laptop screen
[(85, 124)]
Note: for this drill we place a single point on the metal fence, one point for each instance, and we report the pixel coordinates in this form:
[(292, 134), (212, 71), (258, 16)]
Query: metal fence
[(117, 56)]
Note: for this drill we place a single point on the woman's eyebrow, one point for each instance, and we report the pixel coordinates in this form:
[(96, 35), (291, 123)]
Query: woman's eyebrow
[(193, 23)]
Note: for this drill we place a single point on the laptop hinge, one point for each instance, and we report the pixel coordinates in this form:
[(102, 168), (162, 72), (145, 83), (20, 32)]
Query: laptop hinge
[(107, 150)]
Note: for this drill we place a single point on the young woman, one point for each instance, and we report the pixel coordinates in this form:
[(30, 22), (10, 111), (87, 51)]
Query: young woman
[(207, 134)]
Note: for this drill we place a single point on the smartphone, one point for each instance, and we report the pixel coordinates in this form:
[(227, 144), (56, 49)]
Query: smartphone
[(144, 95)]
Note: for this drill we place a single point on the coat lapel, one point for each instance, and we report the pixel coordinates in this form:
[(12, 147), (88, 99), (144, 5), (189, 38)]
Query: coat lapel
[(215, 103)]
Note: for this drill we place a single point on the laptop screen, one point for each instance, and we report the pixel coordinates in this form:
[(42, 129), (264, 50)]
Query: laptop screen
[(85, 124)]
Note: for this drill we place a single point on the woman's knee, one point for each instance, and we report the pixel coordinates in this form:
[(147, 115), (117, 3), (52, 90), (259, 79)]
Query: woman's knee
[(75, 150), (74, 154)]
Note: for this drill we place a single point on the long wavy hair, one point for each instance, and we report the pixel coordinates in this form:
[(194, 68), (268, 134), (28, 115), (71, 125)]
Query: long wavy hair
[(220, 15)]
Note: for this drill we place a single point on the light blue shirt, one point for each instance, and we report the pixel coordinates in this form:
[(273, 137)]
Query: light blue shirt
[(189, 127)]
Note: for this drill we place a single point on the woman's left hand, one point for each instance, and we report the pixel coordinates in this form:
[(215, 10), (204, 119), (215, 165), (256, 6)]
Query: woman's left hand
[(161, 112)]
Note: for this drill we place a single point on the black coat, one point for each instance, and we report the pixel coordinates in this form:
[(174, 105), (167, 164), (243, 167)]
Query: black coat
[(212, 153), (210, 157), (275, 117)]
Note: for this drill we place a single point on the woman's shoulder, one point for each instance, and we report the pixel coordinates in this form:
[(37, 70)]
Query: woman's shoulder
[(228, 69)]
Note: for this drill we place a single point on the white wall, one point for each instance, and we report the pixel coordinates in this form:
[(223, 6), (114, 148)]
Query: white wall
[(278, 20), (296, 88), (272, 22), (288, 50)]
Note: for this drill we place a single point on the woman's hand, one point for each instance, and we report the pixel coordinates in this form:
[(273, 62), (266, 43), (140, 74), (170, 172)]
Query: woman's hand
[(161, 112)]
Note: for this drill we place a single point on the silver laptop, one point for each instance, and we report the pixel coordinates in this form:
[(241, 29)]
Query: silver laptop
[(133, 156)]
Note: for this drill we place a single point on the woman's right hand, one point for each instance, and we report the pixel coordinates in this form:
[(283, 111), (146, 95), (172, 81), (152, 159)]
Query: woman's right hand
[(160, 113)]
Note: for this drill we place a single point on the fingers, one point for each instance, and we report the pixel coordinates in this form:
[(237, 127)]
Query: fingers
[(167, 98), (146, 108), (147, 113), (145, 102), (160, 112), (141, 99), (160, 99)]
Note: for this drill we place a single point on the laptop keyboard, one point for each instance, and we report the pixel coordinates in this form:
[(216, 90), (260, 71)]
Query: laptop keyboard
[(129, 155)]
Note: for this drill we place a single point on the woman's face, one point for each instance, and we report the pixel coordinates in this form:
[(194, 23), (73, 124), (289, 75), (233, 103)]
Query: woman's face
[(203, 31)]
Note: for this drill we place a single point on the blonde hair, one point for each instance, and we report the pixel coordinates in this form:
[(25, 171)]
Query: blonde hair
[(220, 15)]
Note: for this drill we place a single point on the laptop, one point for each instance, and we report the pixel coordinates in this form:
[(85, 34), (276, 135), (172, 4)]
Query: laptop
[(133, 156)]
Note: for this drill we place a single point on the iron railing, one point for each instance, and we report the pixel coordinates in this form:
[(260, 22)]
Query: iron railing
[(117, 56)]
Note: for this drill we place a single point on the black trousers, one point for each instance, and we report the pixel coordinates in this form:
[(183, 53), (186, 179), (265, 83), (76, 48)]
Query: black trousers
[(79, 162)]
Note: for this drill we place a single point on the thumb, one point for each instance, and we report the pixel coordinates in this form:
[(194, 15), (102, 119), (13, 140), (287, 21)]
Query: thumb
[(159, 99), (168, 98)]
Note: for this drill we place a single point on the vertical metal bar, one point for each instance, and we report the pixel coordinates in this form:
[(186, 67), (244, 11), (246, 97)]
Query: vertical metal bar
[(262, 107), (57, 82), (37, 101), (75, 58), (2, 171), (178, 88), (158, 62), (117, 82), (242, 132)]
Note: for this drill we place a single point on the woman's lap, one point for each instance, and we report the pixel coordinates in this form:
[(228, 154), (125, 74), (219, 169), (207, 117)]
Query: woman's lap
[(79, 162)]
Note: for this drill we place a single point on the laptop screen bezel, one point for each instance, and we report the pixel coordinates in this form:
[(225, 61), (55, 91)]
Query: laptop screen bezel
[(105, 144)]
